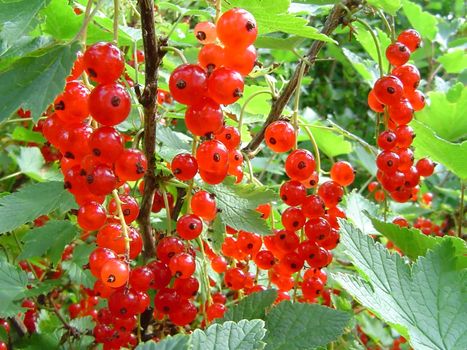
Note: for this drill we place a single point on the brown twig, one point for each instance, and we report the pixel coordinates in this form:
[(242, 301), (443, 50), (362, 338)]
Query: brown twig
[(334, 19), (147, 98)]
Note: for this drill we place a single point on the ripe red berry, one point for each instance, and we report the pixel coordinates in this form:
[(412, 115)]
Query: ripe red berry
[(71, 106), (219, 264), (213, 178), (162, 275), (131, 165), (182, 265), (106, 144), (203, 204), (300, 164), (317, 229), (406, 159), (184, 166), (129, 207), (168, 247), (204, 117), (392, 182), (189, 226), (184, 314), (187, 288), (313, 206), (425, 167), (98, 258), (387, 162), (166, 300), (115, 273), (405, 136), (216, 310), (312, 288), (225, 85), (237, 28), (388, 90), (331, 193), (409, 75), (243, 61), (123, 303), (212, 156), (91, 216), (211, 56), (205, 32), (264, 259), (397, 54), (102, 180), (342, 173), (249, 243), (109, 104), (103, 62), (280, 136), (293, 219), (373, 102), (410, 38), (401, 112), (230, 137), (292, 192), (141, 278), (417, 100), (235, 278), (187, 84), (387, 140)]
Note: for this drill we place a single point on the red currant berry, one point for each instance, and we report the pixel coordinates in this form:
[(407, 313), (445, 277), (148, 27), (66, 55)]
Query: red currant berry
[(106, 144), (225, 85), (182, 265), (392, 182), (91, 216), (374, 104), (230, 137), (167, 300), (123, 303), (312, 288), (331, 193), (184, 314), (401, 112), (235, 278), (168, 247), (184, 166), (189, 226), (219, 264), (293, 219), (293, 193), (280, 136), (342, 173), (242, 61), (425, 167), (300, 164), (406, 159), (187, 84), (109, 104), (387, 162), (410, 38), (216, 310), (388, 90), (211, 56), (141, 278), (115, 273), (162, 275), (264, 259), (204, 118), (187, 287), (417, 100), (313, 206), (103, 62), (72, 105), (397, 54), (405, 136), (212, 156), (102, 180), (205, 32), (131, 165), (409, 75), (237, 28), (98, 258), (129, 207), (387, 140), (203, 204)]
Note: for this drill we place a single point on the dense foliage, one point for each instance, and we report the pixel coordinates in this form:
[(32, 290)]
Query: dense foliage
[(241, 174)]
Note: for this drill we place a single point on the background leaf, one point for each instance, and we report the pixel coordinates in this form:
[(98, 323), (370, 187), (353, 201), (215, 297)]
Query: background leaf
[(13, 283), (357, 209), (389, 6), (422, 21), (250, 307), (177, 342)]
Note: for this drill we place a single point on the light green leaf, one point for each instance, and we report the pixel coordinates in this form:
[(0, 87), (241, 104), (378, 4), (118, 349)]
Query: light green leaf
[(366, 68), (30, 161), (33, 82), (443, 111), (357, 207), (50, 238), (365, 39), (251, 307), (31, 202), (269, 42), (414, 243), (177, 342), (17, 18), (13, 283), (329, 142), (217, 234), (451, 155), (390, 6), (425, 301), (424, 22), (172, 142), (77, 274), (454, 61), (83, 324), (303, 326), (272, 16), (22, 134), (237, 204), (244, 335)]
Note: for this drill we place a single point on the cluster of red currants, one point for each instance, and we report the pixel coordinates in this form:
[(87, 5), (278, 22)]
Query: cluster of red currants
[(396, 96), (226, 57)]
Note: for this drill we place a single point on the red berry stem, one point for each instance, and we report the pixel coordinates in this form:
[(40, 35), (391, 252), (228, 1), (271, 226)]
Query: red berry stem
[(148, 99), (121, 217), (115, 21), (88, 16)]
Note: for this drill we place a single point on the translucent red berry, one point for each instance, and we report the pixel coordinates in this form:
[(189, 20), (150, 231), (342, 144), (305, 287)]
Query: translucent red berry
[(292, 192), (300, 164), (342, 173), (109, 104), (103, 62), (187, 84), (397, 54), (189, 226), (388, 90), (225, 85), (115, 273), (131, 165), (91, 216), (237, 28), (184, 166), (410, 38), (205, 32), (204, 117), (280, 136)]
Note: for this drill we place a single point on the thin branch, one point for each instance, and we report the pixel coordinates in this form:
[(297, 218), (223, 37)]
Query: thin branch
[(153, 56), (334, 19)]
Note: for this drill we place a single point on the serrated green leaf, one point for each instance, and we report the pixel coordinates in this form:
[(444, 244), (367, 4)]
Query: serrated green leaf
[(414, 243), (49, 239), (444, 110), (303, 326), (13, 282), (177, 342), (30, 161), (47, 322), (237, 203), (454, 61), (172, 142), (366, 40), (22, 134), (81, 253), (43, 287), (77, 274), (39, 342), (33, 82), (251, 307), (389, 6), (425, 301), (366, 68), (23, 47), (18, 208), (357, 209), (272, 16), (244, 335), (424, 22), (451, 155), (83, 324), (17, 17), (217, 234)]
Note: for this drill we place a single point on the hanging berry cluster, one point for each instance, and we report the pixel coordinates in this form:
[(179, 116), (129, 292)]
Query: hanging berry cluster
[(396, 96), (226, 57)]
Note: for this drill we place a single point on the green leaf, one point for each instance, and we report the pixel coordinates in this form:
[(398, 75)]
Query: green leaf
[(83, 324), (445, 110), (365, 39), (269, 42), (44, 287), (23, 47), (414, 243), (272, 16), (17, 18), (217, 234), (251, 307), (329, 142), (22, 134), (77, 274), (30, 161), (237, 203), (366, 68), (454, 61), (33, 82), (177, 342), (31, 202), (425, 301), (244, 335), (172, 142), (451, 155), (303, 326), (49, 239), (390, 6), (357, 210), (13, 283), (424, 22)]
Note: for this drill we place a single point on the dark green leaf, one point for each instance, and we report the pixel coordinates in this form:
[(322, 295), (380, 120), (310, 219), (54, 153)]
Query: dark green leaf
[(31, 202), (425, 301), (83, 324), (251, 307), (23, 47), (49, 239), (13, 283), (244, 335), (414, 243), (177, 342), (303, 326), (366, 68), (77, 274), (33, 82), (217, 234), (173, 142)]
